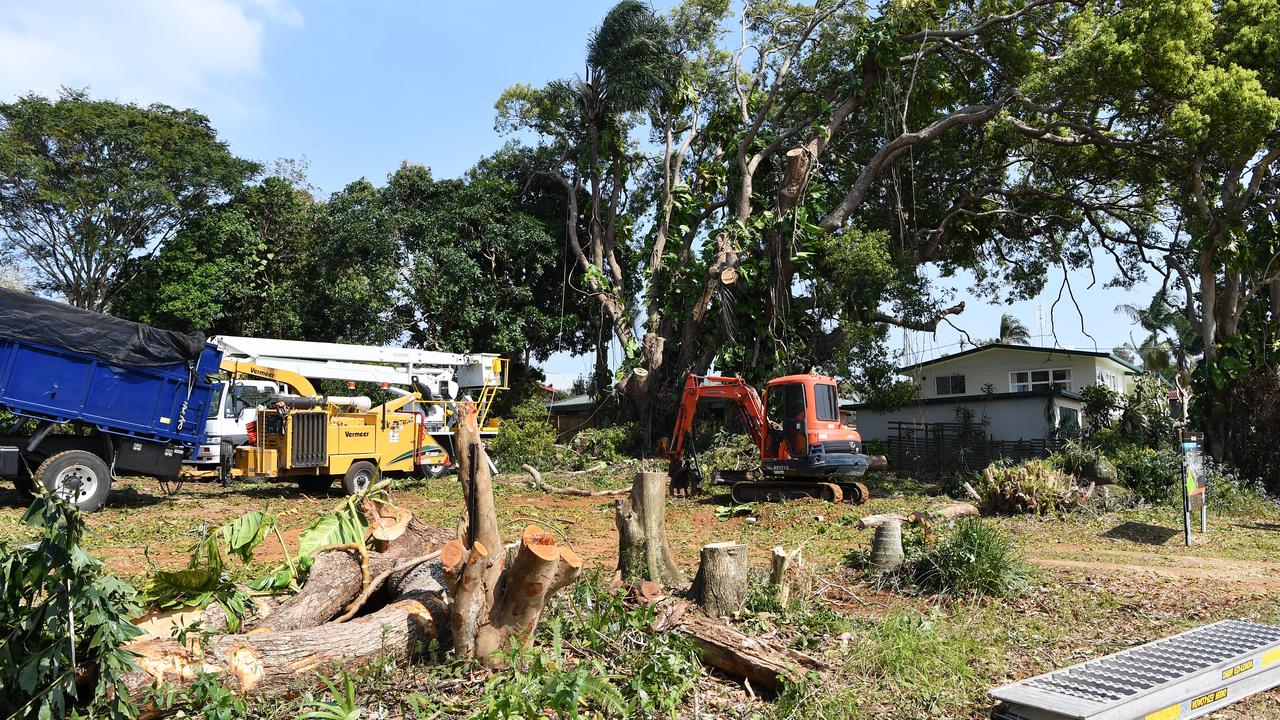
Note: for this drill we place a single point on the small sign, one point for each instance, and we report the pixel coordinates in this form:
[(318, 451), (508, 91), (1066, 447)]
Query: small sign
[(1194, 477)]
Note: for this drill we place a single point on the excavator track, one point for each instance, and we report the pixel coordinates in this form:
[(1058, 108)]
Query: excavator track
[(758, 491)]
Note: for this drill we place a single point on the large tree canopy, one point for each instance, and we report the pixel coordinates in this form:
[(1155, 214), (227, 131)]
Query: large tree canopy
[(86, 186)]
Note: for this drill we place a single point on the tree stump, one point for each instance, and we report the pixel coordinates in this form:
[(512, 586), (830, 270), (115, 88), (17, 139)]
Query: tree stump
[(643, 551), (886, 547), (786, 573), (722, 585)]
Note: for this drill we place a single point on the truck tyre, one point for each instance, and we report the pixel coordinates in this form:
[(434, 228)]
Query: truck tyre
[(77, 476), (226, 461), (360, 476)]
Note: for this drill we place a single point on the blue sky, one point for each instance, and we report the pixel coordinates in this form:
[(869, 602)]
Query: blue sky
[(357, 88)]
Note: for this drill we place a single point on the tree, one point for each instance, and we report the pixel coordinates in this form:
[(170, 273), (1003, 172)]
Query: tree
[(782, 160), (88, 185), (1012, 331)]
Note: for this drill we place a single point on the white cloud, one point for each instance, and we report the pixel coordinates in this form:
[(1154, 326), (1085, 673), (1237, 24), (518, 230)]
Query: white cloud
[(187, 53)]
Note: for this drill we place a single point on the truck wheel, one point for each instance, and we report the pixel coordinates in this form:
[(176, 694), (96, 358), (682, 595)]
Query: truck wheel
[(226, 461), (78, 477), (360, 476)]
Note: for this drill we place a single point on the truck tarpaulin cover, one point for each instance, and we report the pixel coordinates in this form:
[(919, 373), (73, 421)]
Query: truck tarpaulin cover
[(27, 318)]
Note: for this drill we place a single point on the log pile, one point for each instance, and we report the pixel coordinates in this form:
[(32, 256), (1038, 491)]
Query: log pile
[(408, 584)]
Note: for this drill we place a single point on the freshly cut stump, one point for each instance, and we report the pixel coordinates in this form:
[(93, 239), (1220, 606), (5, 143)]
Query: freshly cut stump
[(721, 585), (786, 573), (643, 551)]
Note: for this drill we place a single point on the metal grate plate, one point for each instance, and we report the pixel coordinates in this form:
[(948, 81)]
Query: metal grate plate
[(1156, 676)]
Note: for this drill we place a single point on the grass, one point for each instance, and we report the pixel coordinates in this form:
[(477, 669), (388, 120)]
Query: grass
[(893, 655)]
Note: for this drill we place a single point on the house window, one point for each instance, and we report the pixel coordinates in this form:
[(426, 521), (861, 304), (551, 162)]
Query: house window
[(950, 384), (1109, 380), (1068, 421), (1028, 380)]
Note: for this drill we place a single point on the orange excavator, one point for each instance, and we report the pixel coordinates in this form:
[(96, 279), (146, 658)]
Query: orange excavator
[(805, 451)]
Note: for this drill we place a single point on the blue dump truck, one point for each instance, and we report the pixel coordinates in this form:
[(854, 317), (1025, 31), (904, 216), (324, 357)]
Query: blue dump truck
[(85, 397)]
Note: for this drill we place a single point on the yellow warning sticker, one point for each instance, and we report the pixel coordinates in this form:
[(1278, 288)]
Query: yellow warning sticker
[(1205, 699), (1270, 657), (1234, 671), (1173, 712)]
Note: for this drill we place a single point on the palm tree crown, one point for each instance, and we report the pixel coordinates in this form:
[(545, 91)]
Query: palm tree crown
[(1013, 332)]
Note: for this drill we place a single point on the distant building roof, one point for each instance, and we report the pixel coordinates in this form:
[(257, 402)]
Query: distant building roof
[(1026, 348), (572, 403)]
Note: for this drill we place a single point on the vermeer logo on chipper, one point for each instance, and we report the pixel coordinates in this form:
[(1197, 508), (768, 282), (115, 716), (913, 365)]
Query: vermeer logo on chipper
[(356, 433)]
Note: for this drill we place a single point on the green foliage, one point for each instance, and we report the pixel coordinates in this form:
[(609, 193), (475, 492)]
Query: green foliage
[(212, 700), (1100, 405), (538, 684), (344, 705), (524, 437), (85, 185), (345, 525), (611, 443), (971, 559), (205, 579), (648, 674), (50, 592), (1154, 475)]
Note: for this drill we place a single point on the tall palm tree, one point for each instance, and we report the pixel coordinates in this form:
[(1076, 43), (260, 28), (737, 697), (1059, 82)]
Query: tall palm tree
[(1170, 342), (1013, 332)]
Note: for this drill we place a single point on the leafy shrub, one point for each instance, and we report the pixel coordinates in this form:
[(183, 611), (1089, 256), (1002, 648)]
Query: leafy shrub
[(1154, 476), (525, 437), (974, 558), (1230, 490), (1034, 486), (50, 591), (611, 443), (651, 673)]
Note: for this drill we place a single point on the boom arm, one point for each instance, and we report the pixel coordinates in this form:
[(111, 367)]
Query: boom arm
[(697, 387), (301, 385)]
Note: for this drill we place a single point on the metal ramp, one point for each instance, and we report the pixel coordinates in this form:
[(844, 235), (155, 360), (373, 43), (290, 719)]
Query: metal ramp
[(1183, 676)]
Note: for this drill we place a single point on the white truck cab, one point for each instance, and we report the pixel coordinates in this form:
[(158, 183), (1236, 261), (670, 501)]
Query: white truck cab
[(234, 407)]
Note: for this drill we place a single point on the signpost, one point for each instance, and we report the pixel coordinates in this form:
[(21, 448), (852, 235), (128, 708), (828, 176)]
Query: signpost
[(1193, 483)]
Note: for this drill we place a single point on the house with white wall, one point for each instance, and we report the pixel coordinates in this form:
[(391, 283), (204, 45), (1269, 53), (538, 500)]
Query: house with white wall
[(1016, 392)]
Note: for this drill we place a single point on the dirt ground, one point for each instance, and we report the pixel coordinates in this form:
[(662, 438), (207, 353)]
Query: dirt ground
[(1105, 580)]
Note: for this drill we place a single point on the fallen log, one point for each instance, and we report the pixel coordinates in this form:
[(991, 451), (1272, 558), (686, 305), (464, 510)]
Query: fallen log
[(539, 484), (761, 662), (269, 662), (920, 517)]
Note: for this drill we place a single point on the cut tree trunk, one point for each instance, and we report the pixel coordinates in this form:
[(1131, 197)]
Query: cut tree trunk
[(495, 602), (265, 662), (721, 585), (921, 517), (643, 551), (787, 574), (763, 663), (492, 604)]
